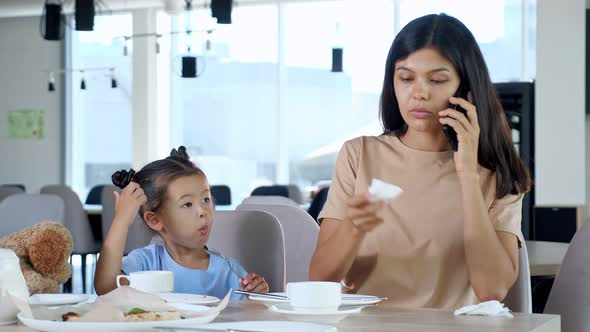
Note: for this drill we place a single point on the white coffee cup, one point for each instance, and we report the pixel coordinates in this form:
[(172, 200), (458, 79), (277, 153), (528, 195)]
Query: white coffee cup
[(316, 296), (149, 281)]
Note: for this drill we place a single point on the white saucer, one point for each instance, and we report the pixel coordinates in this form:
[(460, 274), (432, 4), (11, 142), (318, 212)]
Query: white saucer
[(314, 316), (188, 298), (347, 299), (57, 299)]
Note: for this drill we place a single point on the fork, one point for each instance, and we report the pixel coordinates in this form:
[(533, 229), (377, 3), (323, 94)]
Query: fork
[(229, 263)]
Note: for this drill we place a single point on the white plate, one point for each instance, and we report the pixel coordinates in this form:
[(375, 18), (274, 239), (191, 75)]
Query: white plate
[(57, 299), (188, 298), (347, 299), (272, 326), (314, 316), (59, 326)]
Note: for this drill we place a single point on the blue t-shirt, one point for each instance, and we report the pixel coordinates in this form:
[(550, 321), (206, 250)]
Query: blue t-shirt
[(216, 281)]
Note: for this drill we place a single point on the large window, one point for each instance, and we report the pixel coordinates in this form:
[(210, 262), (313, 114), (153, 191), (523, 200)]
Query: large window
[(100, 116), (226, 117), (321, 108), (266, 107)]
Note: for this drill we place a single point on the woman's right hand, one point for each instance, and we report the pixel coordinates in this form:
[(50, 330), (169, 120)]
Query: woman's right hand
[(128, 202), (364, 214)]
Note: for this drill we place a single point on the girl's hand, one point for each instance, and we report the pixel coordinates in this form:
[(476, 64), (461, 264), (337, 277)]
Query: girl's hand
[(467, 128), (128, 202), (363, 214), (254, 283)]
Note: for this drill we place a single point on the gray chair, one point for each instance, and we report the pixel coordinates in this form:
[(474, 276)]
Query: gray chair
[(6, 191), (20, 211), (76, 221), (570, 294), (255, 240), (16, 185), (269, 200), (295, 193), (139, 234), (301, 235), (221, 194), (519, 298)]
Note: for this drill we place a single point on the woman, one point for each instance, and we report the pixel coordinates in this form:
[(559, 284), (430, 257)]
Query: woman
[(451, 239)]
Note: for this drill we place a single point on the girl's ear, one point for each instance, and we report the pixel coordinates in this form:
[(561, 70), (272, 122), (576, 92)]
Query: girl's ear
[(153, 220)]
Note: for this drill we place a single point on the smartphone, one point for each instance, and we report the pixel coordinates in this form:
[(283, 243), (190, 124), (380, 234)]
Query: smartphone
[(448, 130)]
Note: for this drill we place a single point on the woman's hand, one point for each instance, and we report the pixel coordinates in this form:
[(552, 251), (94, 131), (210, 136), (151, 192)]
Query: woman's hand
[(467, 128), (254, 283), (364, 214), (128, 203)]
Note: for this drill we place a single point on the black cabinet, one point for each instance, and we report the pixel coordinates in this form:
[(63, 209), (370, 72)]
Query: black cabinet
[(518, 101), (555, 224)]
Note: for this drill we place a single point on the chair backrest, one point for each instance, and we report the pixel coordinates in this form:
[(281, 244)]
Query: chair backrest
[(20, 211), (317, 204), (519, 298), (76, 220), (15, 185), (295, 193), (221, 194), (95, 195), (139, 234), (301, 235), (269, 200), (570, 294), (254, 239), (276, 190), (6, 191)]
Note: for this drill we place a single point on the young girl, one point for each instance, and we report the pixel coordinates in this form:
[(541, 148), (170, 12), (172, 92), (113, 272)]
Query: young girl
[(173, 198), (451, 239)]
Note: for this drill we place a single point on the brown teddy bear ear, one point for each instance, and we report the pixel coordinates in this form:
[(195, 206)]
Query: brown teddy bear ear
[(49, 251)]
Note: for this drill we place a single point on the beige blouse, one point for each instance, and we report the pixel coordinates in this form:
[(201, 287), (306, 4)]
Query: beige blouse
[(416, 257)]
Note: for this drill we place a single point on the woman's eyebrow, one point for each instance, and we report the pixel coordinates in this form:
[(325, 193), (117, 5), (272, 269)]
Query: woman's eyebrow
[(436, 70)]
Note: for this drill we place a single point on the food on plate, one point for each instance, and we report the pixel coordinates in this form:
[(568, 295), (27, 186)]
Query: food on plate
[(108, 314), (70, 316), (140, 315)]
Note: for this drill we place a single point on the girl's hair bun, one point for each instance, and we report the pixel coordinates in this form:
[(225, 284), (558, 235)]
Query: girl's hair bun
[(123, 177)]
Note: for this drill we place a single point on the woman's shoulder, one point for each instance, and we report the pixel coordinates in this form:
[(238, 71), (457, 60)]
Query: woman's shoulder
[(361, 143)]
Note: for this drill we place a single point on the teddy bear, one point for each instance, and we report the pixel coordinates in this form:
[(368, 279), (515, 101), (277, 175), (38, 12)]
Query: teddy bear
[(43, 251)]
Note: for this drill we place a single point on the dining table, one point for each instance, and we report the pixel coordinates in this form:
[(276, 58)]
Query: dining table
[(545, 257), (387, 317)]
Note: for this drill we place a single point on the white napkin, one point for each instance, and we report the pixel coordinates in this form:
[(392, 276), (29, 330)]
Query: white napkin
[(489, 308), (383, 191)]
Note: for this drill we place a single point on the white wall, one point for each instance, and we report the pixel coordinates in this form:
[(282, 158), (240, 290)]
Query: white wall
[(560, 136), (23, 56)]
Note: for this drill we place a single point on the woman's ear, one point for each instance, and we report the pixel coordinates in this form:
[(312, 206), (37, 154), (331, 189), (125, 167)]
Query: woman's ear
[(153, 220)]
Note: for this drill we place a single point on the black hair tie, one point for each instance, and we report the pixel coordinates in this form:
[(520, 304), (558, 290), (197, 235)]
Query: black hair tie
[(123, 177)]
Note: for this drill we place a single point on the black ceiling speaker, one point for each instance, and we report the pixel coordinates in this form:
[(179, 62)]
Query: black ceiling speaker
[(221, 9), (189, 66), (84, 15), (52, 22), (337, 60)]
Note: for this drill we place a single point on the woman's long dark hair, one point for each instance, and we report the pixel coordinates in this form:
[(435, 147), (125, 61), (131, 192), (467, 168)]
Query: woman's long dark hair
[(455, 42)]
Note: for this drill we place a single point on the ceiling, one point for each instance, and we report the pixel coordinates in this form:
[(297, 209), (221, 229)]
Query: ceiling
[(14, 8)]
